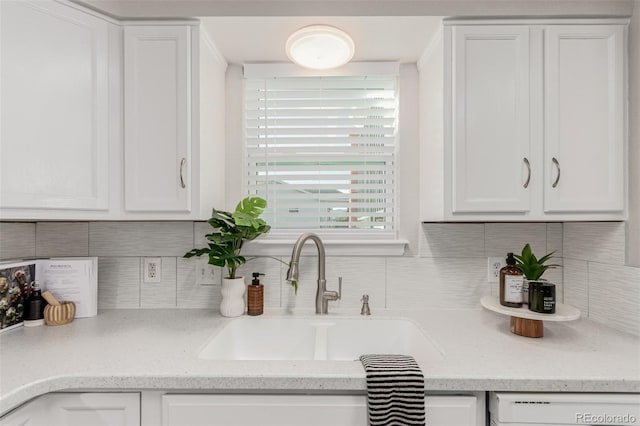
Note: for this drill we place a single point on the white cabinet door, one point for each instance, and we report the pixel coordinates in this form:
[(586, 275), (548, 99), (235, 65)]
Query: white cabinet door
[(263, 410), (308, 410), (157, 118), (55, 109), (584, 118), (537, 116), (490, 119), (454, 410), (78, 409)]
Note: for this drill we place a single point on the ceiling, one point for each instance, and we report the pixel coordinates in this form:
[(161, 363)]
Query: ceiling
[(141, 9), (393, 30), (377, 38)]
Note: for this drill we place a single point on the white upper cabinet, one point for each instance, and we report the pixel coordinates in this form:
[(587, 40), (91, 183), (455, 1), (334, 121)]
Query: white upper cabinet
[(490, 122), (157, 118), (100, 119), (535, 118), (174, 122), (584, 118), (54, 143)]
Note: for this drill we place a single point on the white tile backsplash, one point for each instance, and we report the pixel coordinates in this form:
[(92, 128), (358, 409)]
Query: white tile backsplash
[(556, 276), (435, 283), (162, 294), (200, 229), (595, 278), (360, 275), (62, 239), (576, 284), (118, 282), (17, 240), (191, 294), (452, 240), (614, 296), (502, 238), (449, 273), (554, 239), (602, 242), (140, 238)]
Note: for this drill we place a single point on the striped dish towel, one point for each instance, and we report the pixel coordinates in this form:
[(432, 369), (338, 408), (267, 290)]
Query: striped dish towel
[(395, 390)]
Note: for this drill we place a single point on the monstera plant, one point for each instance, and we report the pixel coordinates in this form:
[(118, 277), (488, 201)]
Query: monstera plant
[(231, 231)]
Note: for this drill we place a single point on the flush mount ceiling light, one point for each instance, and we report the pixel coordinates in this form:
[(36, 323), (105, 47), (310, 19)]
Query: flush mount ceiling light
[(320, 47)]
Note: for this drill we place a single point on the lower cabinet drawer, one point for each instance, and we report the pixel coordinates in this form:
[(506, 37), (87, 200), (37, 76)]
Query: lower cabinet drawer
[(308, 410), (77, 409)]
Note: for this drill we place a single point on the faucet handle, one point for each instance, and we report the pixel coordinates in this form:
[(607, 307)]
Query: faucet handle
[(334, 295)]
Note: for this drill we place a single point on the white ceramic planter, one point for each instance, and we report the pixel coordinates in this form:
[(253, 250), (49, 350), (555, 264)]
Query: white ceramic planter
[(232, 304)]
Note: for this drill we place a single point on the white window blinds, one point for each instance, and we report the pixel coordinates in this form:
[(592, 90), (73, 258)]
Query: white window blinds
[(321, 151)]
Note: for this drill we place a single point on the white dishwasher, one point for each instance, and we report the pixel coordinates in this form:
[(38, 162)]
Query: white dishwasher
[(559, 409)]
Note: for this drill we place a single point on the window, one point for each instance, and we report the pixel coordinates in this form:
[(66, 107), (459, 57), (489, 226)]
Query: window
[(322, 151)]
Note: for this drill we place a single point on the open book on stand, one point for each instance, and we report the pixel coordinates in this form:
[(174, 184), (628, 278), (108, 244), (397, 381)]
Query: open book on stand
[(73, 279)]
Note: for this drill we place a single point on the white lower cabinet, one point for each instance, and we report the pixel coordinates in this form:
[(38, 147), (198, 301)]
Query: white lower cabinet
[(308, 410), (77, 409)]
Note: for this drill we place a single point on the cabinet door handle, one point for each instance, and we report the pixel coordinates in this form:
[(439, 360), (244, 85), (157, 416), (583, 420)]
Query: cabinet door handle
[(526, 162), (555, 161), (182, 163)]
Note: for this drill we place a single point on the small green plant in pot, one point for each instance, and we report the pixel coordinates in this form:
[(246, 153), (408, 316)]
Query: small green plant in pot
[(532, 267), (231, 231), (539, 293)]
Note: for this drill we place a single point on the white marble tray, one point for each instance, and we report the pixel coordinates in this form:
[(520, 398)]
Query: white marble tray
[(563, 312)]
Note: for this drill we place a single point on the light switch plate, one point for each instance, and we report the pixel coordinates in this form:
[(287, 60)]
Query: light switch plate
[(205, 273)]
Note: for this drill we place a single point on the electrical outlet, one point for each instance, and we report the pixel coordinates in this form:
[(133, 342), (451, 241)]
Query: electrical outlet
[(152, 270), (205, 273), (494, 265)]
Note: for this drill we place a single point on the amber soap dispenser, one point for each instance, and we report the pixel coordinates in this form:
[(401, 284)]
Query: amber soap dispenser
[(511, 281), (255, 296)]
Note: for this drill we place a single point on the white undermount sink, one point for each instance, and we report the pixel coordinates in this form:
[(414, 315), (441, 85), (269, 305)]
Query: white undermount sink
[(317, 338)]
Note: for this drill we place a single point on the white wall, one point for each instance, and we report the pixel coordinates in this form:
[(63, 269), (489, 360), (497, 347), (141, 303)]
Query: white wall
[(633, 225), (235, 137), (408, 167), (431, 90), (212, 126)]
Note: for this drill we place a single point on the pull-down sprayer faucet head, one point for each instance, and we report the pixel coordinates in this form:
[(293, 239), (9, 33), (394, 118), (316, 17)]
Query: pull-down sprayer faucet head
[(292, 273)]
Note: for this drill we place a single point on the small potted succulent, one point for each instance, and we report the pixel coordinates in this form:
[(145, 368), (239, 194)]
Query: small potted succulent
[(539, 293), (231, 231)]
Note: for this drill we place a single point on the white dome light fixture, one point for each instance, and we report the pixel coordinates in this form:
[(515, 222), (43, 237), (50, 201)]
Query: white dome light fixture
[(320, 47)]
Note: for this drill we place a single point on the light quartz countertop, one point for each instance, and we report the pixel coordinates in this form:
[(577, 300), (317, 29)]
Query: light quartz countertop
[(158, 349)]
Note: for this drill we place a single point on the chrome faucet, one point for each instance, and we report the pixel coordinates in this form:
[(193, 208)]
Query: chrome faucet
[(322, 294)]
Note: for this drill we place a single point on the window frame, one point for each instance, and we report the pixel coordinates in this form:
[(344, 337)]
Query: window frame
[(405, 238)]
